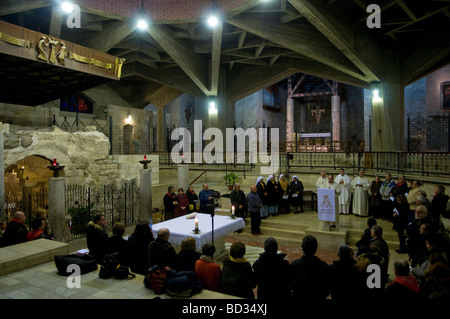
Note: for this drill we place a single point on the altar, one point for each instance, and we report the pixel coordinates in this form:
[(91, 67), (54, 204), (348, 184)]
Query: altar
[(182, 227)]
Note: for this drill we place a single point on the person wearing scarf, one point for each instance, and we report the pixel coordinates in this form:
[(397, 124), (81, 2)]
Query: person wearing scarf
[(284, 194), (296, 189), (183, 204), (38, 230), (263, 195), (237, 278), (16, 231), (404, 288)]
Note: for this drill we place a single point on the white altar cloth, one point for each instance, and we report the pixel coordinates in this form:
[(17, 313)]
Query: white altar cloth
[(181, 227)]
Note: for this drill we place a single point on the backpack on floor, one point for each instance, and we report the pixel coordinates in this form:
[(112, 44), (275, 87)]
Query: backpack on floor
[(109, 266)]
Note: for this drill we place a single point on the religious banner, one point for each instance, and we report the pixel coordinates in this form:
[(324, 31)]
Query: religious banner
[(326, 204)]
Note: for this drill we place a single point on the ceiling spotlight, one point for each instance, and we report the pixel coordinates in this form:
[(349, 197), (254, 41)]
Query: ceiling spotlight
[(213, 21), (142, 24), (67, 7), (212, 110)]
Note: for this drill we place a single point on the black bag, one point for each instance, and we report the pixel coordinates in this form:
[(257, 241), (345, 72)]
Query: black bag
[(109, 266), (123, 272), (87, 263)]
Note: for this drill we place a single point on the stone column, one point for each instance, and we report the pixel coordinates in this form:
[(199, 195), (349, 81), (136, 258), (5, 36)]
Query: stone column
[(387, 117), (145, 199), (183, 176), (2, 175), (336, 118), (57, 207), (289, 124), (160, 140)]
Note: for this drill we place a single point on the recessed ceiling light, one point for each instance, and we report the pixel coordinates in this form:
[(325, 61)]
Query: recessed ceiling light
[(213, 21), (67, 7)]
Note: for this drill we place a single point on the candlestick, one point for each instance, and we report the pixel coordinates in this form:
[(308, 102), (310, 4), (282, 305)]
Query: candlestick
[(145, 157), (232, 211)]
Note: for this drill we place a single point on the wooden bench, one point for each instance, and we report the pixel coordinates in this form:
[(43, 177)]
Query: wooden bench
[(311, 199), (29, 254)]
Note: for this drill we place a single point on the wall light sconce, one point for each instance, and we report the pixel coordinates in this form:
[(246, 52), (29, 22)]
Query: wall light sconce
[(212, 109), (129, 119)]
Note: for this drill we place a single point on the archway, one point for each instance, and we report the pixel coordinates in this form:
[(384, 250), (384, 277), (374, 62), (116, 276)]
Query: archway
[(26, 186)]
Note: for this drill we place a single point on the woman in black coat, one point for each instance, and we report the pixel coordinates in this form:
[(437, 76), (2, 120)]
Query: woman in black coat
[(138, 244), (261, 190), (296, 190), (272, 196), (400, 214)]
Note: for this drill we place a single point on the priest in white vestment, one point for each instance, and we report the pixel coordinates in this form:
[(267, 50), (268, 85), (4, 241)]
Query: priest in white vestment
[(321, 180), (345, 196), (331, 184), (360, 186)]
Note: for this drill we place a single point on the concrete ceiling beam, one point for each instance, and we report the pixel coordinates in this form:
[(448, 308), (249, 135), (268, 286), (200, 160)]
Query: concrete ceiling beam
[(112, 34), (341, 34), (194, 65)]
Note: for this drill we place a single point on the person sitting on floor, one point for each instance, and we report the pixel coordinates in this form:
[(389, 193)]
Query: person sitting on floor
[(237, 278), (117, 244), (96, 237), (38, 230), (16, 231), (404, 288), (366, 236), (207, 270), (272, 273), (161, 252), (139, 241), (343, 275), (310, 276), (187, 257)]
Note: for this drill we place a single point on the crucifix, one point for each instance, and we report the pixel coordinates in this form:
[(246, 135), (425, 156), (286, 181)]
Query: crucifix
[(317, 112)]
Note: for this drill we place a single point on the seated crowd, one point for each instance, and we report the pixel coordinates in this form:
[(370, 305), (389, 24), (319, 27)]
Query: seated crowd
[(424, 275)]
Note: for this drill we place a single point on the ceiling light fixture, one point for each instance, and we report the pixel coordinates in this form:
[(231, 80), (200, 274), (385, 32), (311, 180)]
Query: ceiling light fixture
[(142, 20), (67, 6), (213, 21)]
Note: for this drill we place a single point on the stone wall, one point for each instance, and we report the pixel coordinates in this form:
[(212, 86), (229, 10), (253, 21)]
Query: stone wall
[(84, 154)]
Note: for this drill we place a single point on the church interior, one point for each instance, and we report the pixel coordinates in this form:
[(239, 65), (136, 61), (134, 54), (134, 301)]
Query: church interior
[(99, 88)]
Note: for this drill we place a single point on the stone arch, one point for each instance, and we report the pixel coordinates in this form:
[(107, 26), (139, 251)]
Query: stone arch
[(26, 186)]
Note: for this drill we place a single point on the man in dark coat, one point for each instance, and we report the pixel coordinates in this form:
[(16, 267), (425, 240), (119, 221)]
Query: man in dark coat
[(16, 231), (206, 200), (170, 201), (96, 237), (161, 252), (238, 200), (310, 276), (272, 273), (380, 246)]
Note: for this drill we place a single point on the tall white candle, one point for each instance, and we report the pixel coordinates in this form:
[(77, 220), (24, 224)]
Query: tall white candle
[(232, 210), (196, 223)]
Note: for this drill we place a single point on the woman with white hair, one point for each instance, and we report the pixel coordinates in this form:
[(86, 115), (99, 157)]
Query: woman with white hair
[(261, 190), (272, 196), (296, 189)]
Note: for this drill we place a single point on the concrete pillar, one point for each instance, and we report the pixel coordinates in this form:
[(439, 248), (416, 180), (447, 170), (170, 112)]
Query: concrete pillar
[(145, 199), (336, 118), (160, 140), (2, 175), (289, 124), (387, 117), (183, 176), (57, 207)]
